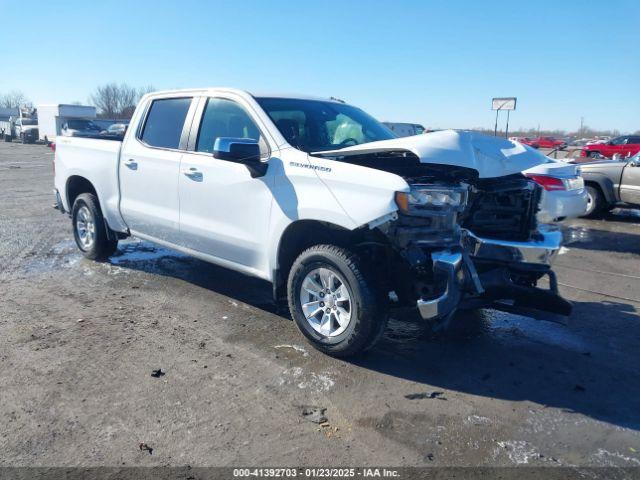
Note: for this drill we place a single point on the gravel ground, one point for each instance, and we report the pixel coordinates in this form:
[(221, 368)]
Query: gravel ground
[(79, 341)]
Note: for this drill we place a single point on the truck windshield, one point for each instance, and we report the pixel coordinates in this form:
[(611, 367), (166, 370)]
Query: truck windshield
[(316, 125), (29, 121)]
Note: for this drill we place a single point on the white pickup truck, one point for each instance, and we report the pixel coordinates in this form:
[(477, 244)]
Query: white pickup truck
[(317, 197)]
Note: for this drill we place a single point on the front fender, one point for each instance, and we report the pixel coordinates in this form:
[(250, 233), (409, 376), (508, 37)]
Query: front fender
[(365, 194)]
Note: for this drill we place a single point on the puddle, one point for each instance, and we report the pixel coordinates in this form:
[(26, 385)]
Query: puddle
[(575, 234), (626, 213), (138, 251), (62, 255), (133, 253)]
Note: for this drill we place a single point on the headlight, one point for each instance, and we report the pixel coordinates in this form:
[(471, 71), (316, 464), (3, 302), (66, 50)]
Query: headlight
[(428, 198)]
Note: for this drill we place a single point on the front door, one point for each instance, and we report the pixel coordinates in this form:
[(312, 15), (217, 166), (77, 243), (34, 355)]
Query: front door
[(150, 168), (224, 212), (630, 182)]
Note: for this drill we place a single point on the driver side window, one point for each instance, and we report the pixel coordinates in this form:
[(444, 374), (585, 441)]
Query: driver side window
[(225, 118)]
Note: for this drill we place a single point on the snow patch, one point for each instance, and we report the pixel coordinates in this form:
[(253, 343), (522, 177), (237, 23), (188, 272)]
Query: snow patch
[(297, 348), (521, 327), (477, 420), (519, 451), (319, 382), (607, 457)]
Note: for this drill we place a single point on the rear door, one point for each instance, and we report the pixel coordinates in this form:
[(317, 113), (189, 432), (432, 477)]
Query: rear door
[(150, 167), (224, 211)]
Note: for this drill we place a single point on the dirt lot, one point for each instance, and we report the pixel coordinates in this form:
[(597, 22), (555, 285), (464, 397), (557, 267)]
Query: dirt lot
[(79, 341)]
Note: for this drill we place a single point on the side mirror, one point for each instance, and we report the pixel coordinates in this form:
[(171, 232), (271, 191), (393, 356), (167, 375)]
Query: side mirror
[(240, 150)]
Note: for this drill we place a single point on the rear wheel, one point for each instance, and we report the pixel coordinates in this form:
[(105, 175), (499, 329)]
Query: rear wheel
[(594, 154), (595, 202), (90, 229), (334, 304)]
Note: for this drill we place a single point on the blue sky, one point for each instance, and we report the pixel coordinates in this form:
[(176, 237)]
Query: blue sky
[(436, 63)]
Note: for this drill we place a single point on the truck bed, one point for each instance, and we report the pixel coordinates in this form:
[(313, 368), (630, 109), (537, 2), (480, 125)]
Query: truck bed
[(97, 160)]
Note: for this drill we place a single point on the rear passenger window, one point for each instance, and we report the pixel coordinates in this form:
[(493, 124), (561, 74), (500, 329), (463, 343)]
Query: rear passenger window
[(165, 121)]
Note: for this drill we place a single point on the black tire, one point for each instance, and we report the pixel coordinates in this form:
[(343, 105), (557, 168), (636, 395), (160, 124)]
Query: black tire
[(594, 154), (102, 245), (368, 316), (596, 203)]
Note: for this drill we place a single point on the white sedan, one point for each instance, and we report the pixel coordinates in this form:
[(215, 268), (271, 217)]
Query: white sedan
[(564, 195)]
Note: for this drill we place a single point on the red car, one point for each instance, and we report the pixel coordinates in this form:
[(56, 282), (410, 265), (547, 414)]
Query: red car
[(625, 145), (529, 141), (549, 142)]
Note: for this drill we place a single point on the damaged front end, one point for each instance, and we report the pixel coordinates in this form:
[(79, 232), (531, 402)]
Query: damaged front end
[(472, 243)]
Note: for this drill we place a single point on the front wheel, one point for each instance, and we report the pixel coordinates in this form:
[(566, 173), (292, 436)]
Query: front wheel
[(334, 304), (90, 229)]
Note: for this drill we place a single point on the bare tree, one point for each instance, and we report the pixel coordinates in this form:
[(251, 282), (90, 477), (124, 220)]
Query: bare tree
[(14, 99), (117, 100)]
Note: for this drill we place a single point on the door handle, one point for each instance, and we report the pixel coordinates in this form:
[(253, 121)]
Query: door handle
[(193, 173), (131, 163)]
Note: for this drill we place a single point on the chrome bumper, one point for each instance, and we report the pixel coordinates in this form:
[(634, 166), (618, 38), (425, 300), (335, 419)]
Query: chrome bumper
[(448, 265), (542, 251)]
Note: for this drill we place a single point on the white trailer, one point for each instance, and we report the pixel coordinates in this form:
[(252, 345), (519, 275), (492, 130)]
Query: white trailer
[(51, 118)]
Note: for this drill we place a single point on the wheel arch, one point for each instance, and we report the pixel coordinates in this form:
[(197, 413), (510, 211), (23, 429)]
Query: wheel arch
[(297, 237), (604, 184), (76, 185)]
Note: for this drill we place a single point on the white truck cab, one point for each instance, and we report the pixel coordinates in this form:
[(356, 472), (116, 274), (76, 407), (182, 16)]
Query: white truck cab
[(25, 129), (321, 200)]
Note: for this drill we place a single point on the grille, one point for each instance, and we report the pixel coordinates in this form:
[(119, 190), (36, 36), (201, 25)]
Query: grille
[(503, 209)]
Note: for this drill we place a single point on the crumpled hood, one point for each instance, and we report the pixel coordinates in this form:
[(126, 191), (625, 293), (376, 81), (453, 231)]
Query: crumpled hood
[(489, 156)]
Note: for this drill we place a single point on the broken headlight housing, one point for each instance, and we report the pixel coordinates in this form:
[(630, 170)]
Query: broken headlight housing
[(429, 199)]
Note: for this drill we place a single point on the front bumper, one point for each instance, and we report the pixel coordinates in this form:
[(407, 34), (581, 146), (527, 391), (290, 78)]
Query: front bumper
[(540, 251), (31, 135), (448, 265), (457, 271)]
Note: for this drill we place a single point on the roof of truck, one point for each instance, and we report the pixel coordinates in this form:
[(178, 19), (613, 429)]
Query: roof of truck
[(245, 92)]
